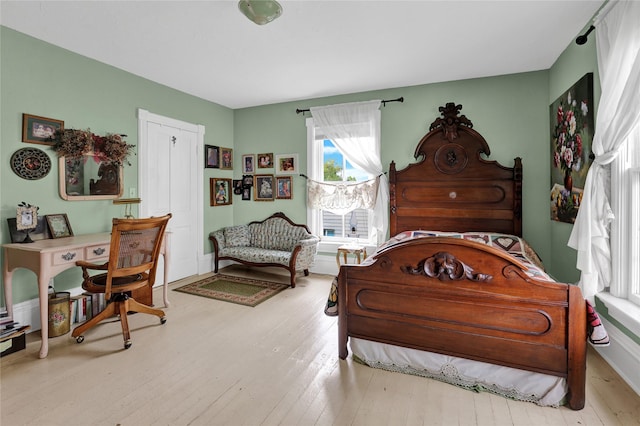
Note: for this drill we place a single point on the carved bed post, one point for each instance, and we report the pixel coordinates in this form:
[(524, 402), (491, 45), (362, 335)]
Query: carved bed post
[(392, 194), (517, 197), (576, 348)]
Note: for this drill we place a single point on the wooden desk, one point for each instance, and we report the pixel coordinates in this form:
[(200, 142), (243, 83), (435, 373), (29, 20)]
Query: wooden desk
[(47, 258)]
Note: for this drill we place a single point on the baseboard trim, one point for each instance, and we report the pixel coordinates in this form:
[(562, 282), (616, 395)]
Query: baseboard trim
[(325, 264), (623, 355)]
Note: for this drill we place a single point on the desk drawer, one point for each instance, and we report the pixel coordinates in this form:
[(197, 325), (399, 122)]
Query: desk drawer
[(99, 251), (64, 257)]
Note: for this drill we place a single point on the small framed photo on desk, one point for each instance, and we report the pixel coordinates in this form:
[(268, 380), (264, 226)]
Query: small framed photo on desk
[(41, 231), (26, 218), (59, 225)]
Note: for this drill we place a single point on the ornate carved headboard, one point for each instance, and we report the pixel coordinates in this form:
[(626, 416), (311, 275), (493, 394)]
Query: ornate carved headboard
[(450, 187)]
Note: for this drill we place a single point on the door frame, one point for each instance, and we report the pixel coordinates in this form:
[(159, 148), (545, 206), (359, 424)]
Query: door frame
[(144, 118)]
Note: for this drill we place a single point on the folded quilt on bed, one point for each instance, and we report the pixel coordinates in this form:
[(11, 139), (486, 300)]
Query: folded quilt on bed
[(514, 245)]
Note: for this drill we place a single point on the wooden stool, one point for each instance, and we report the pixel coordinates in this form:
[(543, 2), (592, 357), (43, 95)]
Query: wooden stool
[(351, 248)]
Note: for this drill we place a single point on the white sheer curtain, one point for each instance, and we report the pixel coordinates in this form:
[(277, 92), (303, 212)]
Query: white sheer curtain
[(618, 47), (344, 125)]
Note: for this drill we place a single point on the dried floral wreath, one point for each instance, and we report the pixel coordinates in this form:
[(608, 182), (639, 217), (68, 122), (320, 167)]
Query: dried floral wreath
[(74, 143)]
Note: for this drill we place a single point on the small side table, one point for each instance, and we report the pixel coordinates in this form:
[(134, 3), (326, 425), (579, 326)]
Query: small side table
[(351, 248)]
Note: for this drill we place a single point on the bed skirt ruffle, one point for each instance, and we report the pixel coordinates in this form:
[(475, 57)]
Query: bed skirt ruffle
[(520, 385)]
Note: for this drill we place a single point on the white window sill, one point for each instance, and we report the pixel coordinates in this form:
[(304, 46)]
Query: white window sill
[(623, 311), (332, 246)]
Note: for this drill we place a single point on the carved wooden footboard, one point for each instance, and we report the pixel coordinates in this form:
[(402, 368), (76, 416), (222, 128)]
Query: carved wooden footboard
[(469, 300)]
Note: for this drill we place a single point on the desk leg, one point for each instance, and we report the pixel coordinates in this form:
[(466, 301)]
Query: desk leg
[(43, 295), (8, 289)]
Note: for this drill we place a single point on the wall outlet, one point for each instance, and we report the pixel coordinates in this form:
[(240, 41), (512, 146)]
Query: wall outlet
[(132, 193)]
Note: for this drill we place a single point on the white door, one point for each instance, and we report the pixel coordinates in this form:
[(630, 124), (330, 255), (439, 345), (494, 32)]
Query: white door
[(171, 181)]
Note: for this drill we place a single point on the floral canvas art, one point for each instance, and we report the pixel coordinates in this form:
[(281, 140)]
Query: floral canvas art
[(571, 118)]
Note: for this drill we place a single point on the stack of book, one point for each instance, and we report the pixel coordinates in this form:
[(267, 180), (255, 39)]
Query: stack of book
[(12, 335), (85, 306)]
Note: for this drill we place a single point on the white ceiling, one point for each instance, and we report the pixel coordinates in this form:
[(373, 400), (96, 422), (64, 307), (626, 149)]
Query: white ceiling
[(315, 49)]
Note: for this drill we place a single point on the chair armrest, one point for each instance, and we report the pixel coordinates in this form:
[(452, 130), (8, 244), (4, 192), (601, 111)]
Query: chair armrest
[(88, 265)]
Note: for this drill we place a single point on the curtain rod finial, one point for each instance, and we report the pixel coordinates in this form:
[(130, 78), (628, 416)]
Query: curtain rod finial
[(582, 39)]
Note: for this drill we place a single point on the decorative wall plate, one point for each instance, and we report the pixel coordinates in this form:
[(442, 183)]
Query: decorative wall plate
[(30, 163)]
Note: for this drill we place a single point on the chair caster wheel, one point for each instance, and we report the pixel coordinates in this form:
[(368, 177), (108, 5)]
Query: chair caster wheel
[(163, 320), (80, 339), (127, 344)]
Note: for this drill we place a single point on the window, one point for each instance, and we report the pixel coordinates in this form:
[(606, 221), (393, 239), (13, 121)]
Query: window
[(350, 200), (336, 168), (606, 230), (625, 230)]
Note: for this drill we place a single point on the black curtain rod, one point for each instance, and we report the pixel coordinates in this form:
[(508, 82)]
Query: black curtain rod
[(307, 177), (384, 103)]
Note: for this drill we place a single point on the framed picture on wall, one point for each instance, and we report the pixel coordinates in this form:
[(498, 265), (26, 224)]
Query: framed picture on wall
[(211, 157), (220, 191), (572, 128), (246, 193), (226, 158), (284, 185), (248, 163), (264, 188), (40, 130), (237, 187), (265, 161), (286, 164)]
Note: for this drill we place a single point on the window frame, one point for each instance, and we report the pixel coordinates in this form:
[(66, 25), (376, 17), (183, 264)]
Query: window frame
[(625, 229), (315, 161)]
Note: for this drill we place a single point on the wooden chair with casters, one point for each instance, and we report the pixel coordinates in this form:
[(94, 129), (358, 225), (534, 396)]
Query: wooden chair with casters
[(133, 260)]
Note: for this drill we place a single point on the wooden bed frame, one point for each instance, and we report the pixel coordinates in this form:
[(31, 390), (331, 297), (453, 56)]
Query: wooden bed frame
[(454, 296)]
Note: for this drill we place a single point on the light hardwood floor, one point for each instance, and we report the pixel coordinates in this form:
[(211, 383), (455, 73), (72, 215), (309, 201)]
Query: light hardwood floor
[(217, 363)]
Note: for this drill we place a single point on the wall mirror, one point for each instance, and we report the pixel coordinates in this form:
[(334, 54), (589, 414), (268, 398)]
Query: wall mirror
[(88, 178)]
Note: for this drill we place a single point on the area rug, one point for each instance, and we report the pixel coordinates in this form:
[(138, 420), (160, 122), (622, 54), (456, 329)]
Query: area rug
[(229, 288)]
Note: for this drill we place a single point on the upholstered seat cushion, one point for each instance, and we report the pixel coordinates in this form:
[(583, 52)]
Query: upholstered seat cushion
[(258, 255), (98, 283)]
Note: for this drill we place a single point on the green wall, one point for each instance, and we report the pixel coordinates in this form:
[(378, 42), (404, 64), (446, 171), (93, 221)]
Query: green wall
[(510, 111), (40, 79), (574, 63)]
